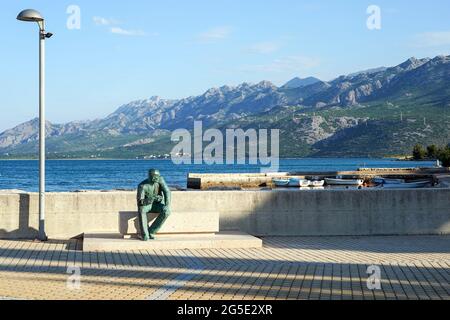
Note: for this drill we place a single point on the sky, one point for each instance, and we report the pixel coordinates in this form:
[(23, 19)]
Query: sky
[(107, 53)]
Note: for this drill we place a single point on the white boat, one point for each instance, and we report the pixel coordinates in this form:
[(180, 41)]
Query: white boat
[(317, 184), (293, 183), (407, 185), (299, 183), (344, 182)]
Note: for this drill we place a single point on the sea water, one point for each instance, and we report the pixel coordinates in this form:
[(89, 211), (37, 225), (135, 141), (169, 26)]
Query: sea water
[(74, 175)]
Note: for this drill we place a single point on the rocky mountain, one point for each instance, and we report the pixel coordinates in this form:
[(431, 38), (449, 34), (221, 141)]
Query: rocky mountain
[(368, 71), (409, 102), (300, 83)]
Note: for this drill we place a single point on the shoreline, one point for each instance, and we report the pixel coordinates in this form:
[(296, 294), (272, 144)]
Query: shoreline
[(281, 158), (85, 159)]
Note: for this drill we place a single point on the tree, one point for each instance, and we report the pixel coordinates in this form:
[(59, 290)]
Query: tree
[(419, 152), (433, 152), (444, 156)]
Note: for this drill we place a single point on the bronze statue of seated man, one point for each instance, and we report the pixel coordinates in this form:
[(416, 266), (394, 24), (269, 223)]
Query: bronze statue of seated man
[(153, 197)]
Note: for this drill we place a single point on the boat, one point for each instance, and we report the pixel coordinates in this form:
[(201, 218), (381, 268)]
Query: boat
[(344, 182), (407, 185), (394, 181), (296, 182), (317, 184), (292, 183), (380, 180), (281, 182)]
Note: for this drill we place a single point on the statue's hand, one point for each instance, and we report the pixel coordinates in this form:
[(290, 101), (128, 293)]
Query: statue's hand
[(145, 202), (159, 198)]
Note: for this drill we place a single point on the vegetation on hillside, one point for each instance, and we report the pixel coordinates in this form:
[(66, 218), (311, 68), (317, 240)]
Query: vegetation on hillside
[(432, 152)]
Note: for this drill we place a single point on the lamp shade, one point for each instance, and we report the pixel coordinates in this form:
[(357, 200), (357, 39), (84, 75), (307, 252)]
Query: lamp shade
[(30, 15)]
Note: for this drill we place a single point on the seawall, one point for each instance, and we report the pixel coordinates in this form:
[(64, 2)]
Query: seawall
[(205, 181), (260, 213)]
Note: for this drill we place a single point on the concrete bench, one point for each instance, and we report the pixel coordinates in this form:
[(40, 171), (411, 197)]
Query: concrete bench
[(182, 230), (224, 240), (198, 222)]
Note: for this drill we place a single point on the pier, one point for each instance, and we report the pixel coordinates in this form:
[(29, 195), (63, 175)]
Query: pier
[(257, 180)]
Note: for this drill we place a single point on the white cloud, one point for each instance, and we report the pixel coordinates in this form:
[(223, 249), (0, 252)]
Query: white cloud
[(215, 34), (287, 64), (433, 39), (113, 27), (263, 48), (124, 32), (100, 21)]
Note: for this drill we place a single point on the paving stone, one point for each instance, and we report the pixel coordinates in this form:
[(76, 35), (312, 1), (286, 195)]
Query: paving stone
[(284, 268)]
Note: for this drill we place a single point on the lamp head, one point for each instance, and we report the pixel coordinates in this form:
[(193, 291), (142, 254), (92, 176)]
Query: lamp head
[(30, 15)]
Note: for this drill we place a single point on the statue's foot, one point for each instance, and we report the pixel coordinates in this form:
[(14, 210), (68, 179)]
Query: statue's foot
[(145, 238), (151, 237)]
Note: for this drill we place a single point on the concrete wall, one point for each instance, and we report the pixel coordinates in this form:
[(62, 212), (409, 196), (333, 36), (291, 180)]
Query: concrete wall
[(287, 213)]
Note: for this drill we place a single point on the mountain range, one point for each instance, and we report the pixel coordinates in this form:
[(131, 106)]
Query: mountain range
[(378, 112)]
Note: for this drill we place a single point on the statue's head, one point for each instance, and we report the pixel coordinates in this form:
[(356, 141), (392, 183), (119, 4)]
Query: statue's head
[(154, 175)]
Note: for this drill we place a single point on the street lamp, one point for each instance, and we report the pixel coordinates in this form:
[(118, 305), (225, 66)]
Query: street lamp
[(31, 15)]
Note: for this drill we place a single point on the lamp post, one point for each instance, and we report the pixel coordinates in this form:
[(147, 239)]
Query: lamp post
[(31, 15)]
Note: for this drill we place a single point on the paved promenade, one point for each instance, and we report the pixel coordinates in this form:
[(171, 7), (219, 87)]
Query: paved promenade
[(286, 268)]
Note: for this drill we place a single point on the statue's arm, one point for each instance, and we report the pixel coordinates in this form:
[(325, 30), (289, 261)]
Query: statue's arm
[(140, 195), (167, 194)]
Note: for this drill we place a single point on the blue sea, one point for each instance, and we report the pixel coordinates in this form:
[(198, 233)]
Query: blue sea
[(75, 175)]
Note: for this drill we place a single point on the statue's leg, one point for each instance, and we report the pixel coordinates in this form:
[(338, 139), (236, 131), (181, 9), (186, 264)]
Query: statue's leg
[(143, 222), (164, 213)]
